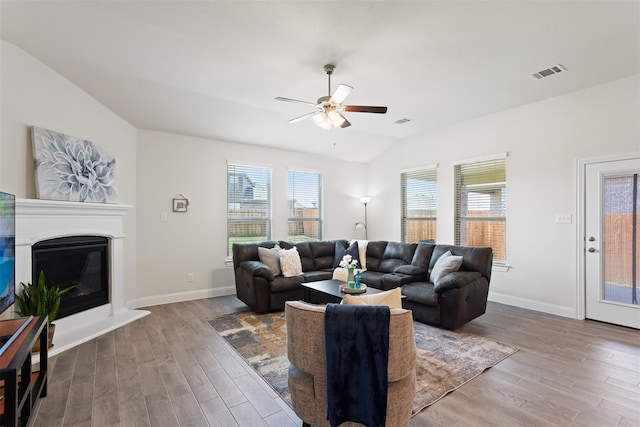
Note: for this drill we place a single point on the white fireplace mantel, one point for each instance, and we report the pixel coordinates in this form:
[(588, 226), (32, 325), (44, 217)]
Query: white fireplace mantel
[(38, 220)]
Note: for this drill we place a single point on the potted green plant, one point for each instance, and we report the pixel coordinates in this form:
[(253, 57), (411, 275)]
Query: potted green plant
[(41, 300)]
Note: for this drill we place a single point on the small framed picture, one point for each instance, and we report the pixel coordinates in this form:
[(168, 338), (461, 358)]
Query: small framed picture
[(180, 205)]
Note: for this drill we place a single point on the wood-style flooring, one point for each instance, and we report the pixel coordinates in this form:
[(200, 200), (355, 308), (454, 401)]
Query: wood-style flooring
[(171, 369)]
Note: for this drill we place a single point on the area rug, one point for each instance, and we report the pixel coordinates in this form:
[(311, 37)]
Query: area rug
[(445, 359)]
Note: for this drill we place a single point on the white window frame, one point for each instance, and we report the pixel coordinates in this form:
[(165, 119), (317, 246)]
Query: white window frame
[(498, 184), (429, 171), (291, 197), (231, 199)]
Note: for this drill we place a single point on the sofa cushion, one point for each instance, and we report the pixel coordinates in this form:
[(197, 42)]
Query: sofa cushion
[(304, 250), (323, 254), (372, 278), (341, 251), (420, 292), (375, 253), (446, 264), (282, 284), (396, 254), (411, 270), (402, 251), (422, 255), (392, 299), (314, 276), (271, 258), (290, 262)]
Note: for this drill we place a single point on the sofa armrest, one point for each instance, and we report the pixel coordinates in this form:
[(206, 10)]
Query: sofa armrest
[(257, 269), (457, 279)]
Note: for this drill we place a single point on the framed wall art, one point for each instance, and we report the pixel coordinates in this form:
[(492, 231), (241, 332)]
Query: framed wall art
[(72, 169)]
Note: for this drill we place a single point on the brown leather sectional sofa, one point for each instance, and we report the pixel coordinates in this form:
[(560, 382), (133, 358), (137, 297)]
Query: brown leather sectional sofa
[(454, 300)]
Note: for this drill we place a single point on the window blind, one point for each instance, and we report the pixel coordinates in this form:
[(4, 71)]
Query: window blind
[(481, 205), (419, 202), (248, 204), (304, 198)]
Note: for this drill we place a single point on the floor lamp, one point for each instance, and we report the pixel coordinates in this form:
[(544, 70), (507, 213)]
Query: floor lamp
[(365, 200)]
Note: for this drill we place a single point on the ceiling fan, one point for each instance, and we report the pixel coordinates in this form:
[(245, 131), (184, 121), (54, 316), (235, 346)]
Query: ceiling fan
[(329, 108)]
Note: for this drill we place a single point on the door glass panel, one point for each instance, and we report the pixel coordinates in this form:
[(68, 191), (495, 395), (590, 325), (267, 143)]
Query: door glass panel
[(621, 241)]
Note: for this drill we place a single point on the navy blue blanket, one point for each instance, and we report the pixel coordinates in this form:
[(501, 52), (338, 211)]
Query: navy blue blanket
[(357, 347)]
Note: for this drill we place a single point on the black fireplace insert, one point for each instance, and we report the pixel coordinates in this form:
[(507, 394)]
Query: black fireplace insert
[(82, 261)]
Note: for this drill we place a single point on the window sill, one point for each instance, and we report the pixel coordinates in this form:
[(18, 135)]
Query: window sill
[(501, 267)]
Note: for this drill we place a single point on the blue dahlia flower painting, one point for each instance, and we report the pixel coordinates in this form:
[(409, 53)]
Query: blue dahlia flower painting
[(72, 169)]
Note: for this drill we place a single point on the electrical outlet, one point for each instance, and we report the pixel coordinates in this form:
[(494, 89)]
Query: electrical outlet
[(190, 277)]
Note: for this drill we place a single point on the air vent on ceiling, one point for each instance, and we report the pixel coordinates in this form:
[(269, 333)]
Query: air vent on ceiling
[(558, 68), (402, 121)]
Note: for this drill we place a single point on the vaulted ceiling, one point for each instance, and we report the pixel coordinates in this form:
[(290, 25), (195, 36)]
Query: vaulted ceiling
[(212, 69)]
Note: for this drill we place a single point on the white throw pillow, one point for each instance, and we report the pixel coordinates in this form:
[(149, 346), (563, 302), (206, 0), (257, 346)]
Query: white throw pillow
[(290, 262), (340, 273), (446, 264), (362, 253), (392, 299), (271, 257)]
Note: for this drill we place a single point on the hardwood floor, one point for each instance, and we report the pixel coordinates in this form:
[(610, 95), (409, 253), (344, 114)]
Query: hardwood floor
[(171, 369)]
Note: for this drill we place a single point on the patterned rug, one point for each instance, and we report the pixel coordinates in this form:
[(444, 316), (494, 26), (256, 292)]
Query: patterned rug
[(446, 360)]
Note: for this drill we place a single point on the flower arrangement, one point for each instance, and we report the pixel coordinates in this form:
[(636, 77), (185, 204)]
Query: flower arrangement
[(348, 262)]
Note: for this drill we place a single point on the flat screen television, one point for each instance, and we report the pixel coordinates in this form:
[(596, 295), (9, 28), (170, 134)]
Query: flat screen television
[(7, 250)]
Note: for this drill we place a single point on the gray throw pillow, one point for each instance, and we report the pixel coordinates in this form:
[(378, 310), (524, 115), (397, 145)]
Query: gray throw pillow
[(271, 257), (447, 263)]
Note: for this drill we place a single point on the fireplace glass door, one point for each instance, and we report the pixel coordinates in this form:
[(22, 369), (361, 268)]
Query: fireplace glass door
[(82, 261)]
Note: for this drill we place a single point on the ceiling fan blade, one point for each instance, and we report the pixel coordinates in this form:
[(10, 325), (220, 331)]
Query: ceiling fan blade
[(364, 109), (345, 123), (279, 98), (301, 118), (340, 94)]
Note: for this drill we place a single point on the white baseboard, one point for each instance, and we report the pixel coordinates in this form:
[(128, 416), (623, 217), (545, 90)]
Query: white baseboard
[(181, 296), (530, 304)]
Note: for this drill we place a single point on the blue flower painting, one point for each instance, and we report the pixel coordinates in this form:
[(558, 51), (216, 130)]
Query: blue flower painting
[(72, 169)]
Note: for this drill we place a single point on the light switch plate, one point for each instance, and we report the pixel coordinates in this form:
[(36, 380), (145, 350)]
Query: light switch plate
[(564, 218)]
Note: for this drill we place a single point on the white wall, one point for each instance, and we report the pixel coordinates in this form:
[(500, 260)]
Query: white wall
[(196, 242), (544, 141), (33, 94)]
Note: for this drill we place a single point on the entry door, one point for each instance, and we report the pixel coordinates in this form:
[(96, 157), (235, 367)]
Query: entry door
[(612, 242)]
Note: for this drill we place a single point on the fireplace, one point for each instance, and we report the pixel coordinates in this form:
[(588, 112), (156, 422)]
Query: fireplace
[(79, 261), (42, 222)]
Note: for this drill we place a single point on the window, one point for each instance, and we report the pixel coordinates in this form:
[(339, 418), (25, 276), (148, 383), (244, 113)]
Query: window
[(481, 205), (248, 204), (304, 196), (419, 204)]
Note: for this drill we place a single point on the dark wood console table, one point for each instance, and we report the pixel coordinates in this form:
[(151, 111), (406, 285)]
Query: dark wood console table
[(21, 387)]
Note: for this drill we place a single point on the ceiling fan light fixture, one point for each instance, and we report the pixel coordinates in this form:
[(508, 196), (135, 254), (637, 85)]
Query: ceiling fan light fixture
[(328, 119), (329, 108)]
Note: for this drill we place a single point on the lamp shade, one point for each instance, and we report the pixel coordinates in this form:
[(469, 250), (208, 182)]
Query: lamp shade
[(365, 199)]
